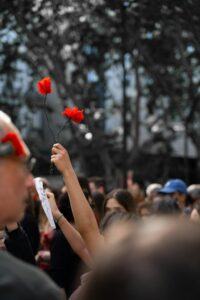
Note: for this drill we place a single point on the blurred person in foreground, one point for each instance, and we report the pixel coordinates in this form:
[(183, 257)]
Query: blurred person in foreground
[(158, 260), (17, 279)]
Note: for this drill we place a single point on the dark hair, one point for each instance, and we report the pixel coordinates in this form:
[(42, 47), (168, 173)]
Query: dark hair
[(64, 203), (148, 268), (83, 181), (64, 207), (98, 181), (166, 206), (123, 197), (97, 203), (112, 217)]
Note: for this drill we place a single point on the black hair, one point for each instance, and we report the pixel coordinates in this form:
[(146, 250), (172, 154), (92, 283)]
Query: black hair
[(64, 203), (97, 203), (83, 181), (112, 217), (65, 208), (166, 206)]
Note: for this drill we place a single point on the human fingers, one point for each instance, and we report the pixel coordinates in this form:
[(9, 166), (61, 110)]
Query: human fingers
[(55, 150), (49, 194), (58, 146), (53, 156)]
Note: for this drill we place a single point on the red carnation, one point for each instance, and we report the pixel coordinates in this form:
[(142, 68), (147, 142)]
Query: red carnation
[(13, 138), (44, 86), (74, 114)]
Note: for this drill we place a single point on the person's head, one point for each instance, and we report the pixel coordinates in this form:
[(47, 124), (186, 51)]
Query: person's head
[(166, 206), (152, 190), (194, 192), (15, 178), (114, 217), (144, 209), (177, 188), (97, 184), (114, 225), (63, 199), (159, 260), (84, 183), (119, 200)]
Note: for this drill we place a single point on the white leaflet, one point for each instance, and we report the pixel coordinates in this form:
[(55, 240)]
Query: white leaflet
[(44, 201)]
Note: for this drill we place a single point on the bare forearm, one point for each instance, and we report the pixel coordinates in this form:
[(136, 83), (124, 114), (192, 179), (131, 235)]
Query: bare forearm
[(75, 240), (84, 217), (83, 214)]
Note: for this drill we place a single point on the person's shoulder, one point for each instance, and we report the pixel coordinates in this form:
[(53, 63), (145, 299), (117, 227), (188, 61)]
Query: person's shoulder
[(20, 280)]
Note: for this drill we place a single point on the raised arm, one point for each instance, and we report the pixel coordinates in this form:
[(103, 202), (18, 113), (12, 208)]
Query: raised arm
[(71, 234), (83, 215)]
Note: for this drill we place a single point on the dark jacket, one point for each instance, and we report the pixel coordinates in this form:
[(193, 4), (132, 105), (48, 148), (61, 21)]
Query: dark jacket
[(30, 226), (17, 243), (65, 264), (19, 280)]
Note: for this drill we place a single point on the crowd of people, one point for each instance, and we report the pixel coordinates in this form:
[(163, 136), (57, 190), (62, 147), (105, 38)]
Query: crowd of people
[(135, 243)]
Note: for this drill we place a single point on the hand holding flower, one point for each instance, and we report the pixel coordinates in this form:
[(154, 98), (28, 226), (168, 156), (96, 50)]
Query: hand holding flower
[(60, 158)]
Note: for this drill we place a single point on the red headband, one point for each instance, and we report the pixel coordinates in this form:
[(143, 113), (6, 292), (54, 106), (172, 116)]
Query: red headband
[(14, 139)]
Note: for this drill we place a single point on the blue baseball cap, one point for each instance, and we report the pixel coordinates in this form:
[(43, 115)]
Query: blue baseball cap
[(173, 186)]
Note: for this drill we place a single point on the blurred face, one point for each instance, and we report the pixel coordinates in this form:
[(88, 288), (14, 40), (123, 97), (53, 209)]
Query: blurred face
[(15, 179), (144, 213), (181, 198), (117, 232), (92, 187), (15, 182), (113, 205)]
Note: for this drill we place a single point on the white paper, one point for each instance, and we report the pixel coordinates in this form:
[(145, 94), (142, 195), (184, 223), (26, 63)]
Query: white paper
[(44, 200)]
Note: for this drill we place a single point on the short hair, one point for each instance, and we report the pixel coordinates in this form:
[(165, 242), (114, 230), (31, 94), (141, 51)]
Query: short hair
[(153, 187), (166, 206), (194, 191)]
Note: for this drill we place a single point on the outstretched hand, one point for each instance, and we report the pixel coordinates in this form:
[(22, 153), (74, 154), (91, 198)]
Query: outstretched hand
[(60, 157)]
